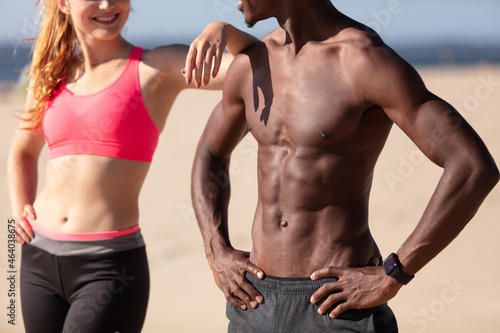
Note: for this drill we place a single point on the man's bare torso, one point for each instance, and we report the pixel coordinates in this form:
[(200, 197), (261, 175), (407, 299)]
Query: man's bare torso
[(318, 145)]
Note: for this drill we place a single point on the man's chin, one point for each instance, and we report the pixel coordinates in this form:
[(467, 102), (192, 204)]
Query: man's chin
[(250, 23)]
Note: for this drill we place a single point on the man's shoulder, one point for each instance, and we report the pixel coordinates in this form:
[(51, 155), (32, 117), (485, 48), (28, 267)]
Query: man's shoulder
[(276, 37), (257, 53), (353, 39), (359, 49)]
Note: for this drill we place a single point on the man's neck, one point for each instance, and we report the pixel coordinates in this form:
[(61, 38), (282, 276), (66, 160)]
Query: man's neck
[(307, 20)]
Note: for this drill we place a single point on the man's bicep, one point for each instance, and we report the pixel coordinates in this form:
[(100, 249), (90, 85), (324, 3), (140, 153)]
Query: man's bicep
[(227, 124), (398, 89), (438, 130), (225, 128), (431, 123)]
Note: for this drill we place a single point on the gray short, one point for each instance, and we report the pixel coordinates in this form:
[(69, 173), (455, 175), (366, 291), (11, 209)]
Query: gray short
[(287, 309)]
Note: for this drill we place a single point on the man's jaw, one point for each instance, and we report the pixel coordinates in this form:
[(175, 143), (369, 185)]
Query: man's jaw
[(240, 8)]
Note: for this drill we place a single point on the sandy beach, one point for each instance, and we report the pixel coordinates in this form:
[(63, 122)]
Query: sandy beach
[(459, 291)]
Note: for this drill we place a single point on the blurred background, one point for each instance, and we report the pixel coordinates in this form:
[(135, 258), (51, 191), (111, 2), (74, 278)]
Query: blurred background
[(455, 46), (423, 31)]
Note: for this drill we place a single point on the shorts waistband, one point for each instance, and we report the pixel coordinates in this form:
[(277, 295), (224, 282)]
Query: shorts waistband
[(82, 236), (288, 286)]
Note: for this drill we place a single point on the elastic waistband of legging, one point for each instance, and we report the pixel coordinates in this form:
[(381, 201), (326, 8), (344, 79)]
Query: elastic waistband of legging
[(92, 247), (288, 286), (82, 236)]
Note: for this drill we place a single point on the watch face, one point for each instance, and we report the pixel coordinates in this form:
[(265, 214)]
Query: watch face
[(390, 264), (391, 267)]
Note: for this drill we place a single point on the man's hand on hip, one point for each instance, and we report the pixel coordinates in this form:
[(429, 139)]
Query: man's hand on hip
[(229, 273), (357, 288)]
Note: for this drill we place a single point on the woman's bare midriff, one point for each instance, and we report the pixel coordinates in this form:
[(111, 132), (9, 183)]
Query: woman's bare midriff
[(85, 193)]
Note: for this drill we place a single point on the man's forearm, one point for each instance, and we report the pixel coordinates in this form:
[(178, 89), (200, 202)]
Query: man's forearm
[(453, 204), (210, 191)]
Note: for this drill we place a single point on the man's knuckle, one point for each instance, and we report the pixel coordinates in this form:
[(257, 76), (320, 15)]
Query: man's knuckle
[(326, 287), (333, 297)]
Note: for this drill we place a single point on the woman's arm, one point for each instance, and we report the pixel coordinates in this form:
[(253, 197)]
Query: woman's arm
[(22, 174), (206, 52), (163, 71)]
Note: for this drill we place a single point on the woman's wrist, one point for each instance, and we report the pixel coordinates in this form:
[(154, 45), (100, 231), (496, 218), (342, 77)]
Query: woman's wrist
[(238, 40)]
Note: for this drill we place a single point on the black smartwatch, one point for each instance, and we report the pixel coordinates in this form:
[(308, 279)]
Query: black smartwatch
[(392, 268)]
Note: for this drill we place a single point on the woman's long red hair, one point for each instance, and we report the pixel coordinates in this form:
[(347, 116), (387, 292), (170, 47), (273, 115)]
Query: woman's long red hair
[(52, 54)]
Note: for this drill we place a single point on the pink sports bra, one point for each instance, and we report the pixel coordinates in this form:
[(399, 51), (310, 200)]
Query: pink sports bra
[(113, 122)]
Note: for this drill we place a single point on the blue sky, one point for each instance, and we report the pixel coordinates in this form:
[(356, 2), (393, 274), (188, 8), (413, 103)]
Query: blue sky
[(400, 22)]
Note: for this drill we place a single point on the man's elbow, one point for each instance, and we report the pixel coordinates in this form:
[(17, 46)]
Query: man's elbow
[(486, 175), (494, 175)]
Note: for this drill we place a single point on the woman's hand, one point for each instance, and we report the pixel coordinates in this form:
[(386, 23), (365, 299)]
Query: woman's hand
[(24, 233), (205, 54)]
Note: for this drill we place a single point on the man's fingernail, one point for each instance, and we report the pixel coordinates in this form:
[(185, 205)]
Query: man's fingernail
[(243, 307), (259, 299), (253, 304)]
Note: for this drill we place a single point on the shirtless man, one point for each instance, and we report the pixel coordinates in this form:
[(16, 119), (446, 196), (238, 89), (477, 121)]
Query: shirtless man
[(320, 95)]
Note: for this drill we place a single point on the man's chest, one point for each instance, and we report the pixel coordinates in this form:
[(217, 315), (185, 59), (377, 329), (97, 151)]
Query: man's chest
[(306, 105)]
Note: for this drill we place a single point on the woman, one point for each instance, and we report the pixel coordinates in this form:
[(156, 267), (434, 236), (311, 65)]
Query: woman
[(101, 110)]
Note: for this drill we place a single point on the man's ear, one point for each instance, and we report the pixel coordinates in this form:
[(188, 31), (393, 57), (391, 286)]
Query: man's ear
[(63, 6)]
